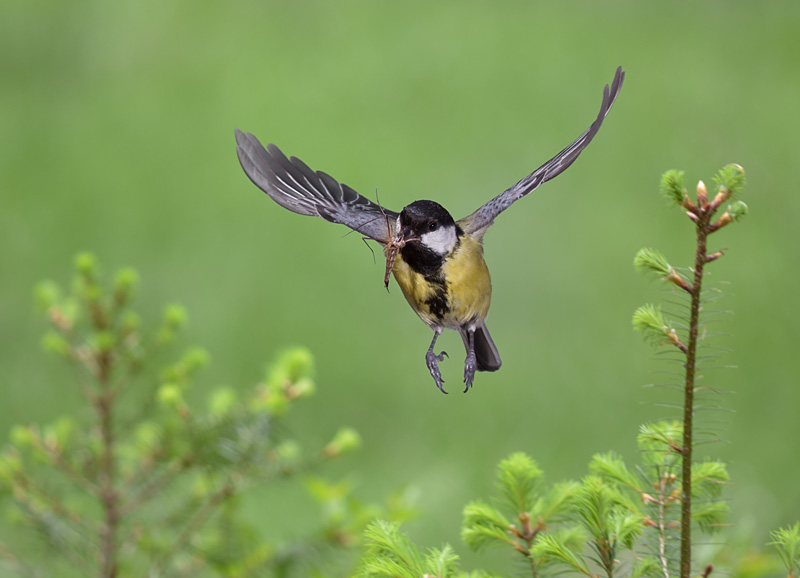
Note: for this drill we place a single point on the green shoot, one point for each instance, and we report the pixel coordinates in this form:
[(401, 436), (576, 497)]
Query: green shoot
[(787, 543)]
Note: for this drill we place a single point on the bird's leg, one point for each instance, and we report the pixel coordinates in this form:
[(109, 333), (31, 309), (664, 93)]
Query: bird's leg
[(433, 361), (471, 363)]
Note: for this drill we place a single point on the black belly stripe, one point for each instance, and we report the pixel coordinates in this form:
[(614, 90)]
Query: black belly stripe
[(438, 303)]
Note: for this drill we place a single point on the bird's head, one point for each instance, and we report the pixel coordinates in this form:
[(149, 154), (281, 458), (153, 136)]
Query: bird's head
[(429, 224)]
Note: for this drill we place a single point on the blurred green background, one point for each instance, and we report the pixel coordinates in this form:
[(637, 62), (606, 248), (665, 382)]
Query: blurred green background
[(116, 136)]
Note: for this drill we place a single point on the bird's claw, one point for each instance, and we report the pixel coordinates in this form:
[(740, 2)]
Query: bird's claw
[(433, 366), (470, 367)]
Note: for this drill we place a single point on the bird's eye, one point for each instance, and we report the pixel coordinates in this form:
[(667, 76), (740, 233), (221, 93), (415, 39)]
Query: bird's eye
[(433, 226)]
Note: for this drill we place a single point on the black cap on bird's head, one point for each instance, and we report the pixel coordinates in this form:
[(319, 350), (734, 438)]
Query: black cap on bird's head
[(426, 232), (422, 217)]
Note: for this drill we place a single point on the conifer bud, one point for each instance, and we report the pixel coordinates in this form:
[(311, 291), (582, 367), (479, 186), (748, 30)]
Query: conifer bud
[(702, 194)]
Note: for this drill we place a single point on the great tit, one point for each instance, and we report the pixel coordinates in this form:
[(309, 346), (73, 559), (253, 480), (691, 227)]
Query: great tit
[(437, 261)]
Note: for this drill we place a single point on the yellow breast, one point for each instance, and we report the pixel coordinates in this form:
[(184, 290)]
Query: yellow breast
[(462, 294)]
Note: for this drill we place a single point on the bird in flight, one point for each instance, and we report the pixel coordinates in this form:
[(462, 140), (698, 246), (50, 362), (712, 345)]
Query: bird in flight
[(437, 261)]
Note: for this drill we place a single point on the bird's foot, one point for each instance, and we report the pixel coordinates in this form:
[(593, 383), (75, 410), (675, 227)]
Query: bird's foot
[(433, 366), (470, 367)]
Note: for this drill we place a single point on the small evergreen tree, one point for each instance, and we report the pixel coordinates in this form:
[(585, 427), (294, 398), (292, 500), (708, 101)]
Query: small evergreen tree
[(148, 483)]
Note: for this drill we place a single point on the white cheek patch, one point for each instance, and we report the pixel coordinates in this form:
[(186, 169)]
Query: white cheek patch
[(440, 241)]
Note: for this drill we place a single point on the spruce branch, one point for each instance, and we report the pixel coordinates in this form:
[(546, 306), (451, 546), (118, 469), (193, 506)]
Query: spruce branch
[(146, 482), (674, 192), (198, 519), (521, 514), (733, 214), (610, 466), (553, 548), (651, 261), (518, 479), (390, 554), (731, 180), (649, 320), (787, 542), (485, 525)]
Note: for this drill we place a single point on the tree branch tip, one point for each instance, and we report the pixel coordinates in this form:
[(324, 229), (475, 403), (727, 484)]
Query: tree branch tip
[(702, 194)]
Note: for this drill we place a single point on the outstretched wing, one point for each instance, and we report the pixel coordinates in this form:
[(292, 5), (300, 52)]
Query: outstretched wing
[(296, 187), (477, 223)]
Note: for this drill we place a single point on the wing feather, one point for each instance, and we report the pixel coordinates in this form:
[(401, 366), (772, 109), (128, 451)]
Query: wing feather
[(294, 186), (477, 223)]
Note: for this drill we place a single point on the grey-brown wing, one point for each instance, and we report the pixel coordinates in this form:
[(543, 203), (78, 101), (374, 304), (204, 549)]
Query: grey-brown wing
[(477, 223), (294, 186)]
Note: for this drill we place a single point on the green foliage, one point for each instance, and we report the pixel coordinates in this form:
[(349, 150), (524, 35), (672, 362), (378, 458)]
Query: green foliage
[(646, 566), (520, 514), (596, 504), (609, 519), (126, 283), (649, 321), (553, 548), (650, 260), (553, 531), (150, 481), (708, 479), (86, 266), (483, 526), (658, 488), (346, 440), (390, 554), (518, 479), (672, 188), (710, 516), (731, 180), (661, 437), (787, 542), (46, 294), (737, 210), (589, 527), (611, 467)]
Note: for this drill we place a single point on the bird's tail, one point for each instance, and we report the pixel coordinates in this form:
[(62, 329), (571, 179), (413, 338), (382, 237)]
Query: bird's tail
[(485, 350)]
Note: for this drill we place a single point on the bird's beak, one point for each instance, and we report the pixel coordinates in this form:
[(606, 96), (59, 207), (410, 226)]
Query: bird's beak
[(405, 235)]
